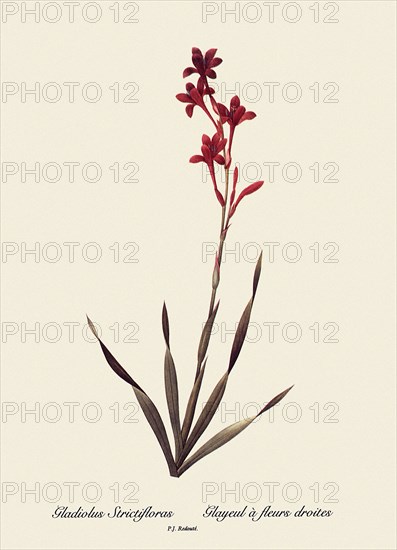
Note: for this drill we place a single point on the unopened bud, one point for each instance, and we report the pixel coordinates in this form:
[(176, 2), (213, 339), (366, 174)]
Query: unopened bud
[(216, 274)]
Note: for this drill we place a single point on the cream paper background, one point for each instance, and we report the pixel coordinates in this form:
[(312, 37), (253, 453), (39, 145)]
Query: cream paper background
[(169, 213)]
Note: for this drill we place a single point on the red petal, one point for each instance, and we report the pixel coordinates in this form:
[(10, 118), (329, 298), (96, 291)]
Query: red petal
[(248, 190), (235, 102), (216, 138), (209, 55), (189, 87), (198, 62), (215, 62), (196, 97), (197, 50), (206, 154), (219, 159), (222, 110), (196, 158), (189, 109), (210, 73), (184, 98), (238, 114), (206, 140), (249, 115), (188, 71), (221, 144)]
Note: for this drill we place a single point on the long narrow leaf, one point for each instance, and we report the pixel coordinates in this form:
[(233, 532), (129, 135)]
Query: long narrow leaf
[(171, 388), (148, 407), (217, 394), (171, 391), (191, 405), (112, 362), (257, 274), (202, 350), (154, 419), (240, 335), (205, 338), (242, 327), (227, 434), (166, 325), (205, 417)]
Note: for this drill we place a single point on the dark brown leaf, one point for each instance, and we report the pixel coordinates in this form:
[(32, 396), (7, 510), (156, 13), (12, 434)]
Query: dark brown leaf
[(257, 274), (240, 335), (206, 416), (275, 400), (205, 337), (171, 392), (148, 407), (225, 435), (166, 326), (242, 327), (112, 361), (191, 405), (154, 419)]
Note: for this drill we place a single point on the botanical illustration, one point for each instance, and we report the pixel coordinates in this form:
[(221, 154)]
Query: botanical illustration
[(215, 149)]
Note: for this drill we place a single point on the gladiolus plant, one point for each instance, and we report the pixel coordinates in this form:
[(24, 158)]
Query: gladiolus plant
[(215, 149)]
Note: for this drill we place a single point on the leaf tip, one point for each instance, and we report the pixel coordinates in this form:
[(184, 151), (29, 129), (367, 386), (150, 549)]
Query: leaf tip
[(275, 400), (92, 327), (165, 323)]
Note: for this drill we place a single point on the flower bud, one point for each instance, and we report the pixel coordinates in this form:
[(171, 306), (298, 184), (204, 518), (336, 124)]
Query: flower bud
[(216, 274)]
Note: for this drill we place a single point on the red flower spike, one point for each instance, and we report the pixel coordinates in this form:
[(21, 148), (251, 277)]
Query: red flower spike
[(247, 191)]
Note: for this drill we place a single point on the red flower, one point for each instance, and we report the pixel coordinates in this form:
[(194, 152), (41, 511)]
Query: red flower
[(211, 148), (203, 65), (235, 116), (194, 96), (237, 113)]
